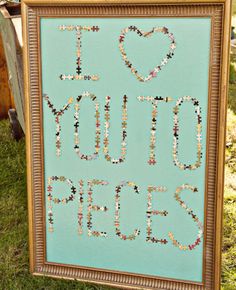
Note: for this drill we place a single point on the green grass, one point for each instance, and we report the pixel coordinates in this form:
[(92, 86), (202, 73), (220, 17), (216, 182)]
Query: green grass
[(233, 7), (229, 226), (229, 242), (14, 266)]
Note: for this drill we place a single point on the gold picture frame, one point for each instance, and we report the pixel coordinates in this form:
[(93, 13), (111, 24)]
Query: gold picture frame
[(220, 14)]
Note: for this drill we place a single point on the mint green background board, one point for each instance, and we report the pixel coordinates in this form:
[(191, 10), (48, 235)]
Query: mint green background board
[(185, 74)]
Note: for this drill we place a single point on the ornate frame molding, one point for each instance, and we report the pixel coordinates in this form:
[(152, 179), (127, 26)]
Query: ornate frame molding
[(219, 12)]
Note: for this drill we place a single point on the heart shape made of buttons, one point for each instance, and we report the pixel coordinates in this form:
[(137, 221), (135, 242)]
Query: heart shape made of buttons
[(153, 73)]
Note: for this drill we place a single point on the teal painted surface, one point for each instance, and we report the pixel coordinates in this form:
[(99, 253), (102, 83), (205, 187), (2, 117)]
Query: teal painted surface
[(185, 74)]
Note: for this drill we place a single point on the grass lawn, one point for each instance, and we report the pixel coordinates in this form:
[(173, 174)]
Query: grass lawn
[(234, 7), (14, 268)]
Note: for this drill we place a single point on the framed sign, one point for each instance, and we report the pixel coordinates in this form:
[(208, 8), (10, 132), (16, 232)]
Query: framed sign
[(126, 106)]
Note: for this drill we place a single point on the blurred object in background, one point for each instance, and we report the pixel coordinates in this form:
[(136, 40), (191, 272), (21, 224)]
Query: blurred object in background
[(233, 40), (11, 33), (6, 100), (233, 37)]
